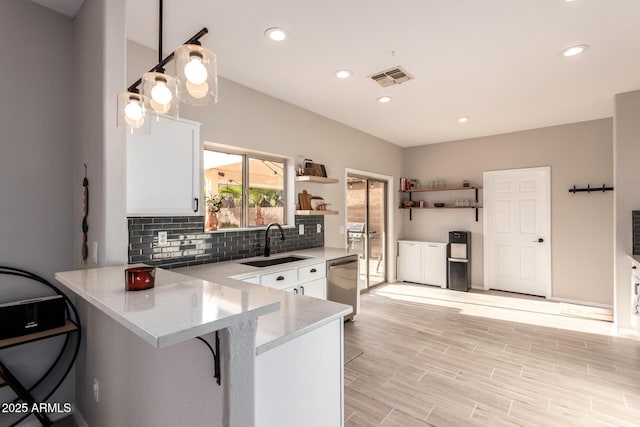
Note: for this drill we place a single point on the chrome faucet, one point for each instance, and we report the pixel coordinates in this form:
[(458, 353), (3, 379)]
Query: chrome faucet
[(267, 245)]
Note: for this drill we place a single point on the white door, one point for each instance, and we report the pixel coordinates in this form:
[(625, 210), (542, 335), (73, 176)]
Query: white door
[(517, 243)]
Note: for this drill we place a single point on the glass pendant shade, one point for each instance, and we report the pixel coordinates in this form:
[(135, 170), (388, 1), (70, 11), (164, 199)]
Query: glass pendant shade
[(132, 112), (161, 90), (197, 71)]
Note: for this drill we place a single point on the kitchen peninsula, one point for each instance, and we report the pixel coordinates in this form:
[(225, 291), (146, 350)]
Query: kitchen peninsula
[(282, 341)]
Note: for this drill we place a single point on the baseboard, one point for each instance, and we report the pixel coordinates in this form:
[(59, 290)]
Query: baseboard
[(628, 333), (578, 302)]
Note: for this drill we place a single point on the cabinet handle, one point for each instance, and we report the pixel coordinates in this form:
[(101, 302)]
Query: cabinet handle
[(295, 290), (313, 270), (196, 204), (280, 278), (302, 290)]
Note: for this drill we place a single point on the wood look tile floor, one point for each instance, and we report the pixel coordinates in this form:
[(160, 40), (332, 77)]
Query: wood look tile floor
[(444, 358)]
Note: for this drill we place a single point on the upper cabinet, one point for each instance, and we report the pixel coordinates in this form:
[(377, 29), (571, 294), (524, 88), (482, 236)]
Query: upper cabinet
[(164, 170)]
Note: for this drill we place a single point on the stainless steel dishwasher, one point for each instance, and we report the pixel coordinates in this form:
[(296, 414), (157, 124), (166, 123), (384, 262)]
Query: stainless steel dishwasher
[(342, 282)]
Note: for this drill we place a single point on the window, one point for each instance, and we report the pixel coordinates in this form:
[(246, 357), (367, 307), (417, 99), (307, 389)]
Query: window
[(244, 190)]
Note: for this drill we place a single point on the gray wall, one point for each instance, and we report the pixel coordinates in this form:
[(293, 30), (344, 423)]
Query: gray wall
[(627, 197), (36, 186), (581, 238)]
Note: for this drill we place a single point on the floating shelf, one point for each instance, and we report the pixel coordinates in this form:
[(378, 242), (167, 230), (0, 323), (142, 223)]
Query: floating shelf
[(69, 326), (307, 212), (425, 190), (316, 179), (444, 207)]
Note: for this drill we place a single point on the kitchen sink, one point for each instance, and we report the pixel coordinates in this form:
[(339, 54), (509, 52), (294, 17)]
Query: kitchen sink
[(274, 261)]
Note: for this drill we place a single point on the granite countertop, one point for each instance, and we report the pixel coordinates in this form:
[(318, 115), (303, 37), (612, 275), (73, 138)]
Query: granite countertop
[(298, 315), (635, 258), (177, 309)]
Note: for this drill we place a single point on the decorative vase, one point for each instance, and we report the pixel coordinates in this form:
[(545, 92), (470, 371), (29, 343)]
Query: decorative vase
[(211, 224)]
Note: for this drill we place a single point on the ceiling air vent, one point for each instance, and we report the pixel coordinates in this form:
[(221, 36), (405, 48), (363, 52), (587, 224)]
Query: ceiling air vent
[(392, 76)]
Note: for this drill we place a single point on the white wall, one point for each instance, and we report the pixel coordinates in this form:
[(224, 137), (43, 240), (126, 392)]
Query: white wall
[(627, 197), (581, 239), (36, 183), (250, 119)]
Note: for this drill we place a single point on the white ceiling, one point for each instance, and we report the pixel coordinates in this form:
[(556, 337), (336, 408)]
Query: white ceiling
[(496, 61)]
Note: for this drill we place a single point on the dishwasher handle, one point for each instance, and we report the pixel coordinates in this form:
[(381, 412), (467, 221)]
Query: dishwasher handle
[(342, 264)]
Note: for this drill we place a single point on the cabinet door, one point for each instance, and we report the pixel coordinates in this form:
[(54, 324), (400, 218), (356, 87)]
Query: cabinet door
[(409, 262), (292, 289), (434, 261), (164, 170), (315, 288)]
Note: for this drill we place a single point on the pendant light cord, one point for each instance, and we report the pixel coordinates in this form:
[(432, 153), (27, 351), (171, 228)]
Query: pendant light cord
[(160, 13), (195, 39)]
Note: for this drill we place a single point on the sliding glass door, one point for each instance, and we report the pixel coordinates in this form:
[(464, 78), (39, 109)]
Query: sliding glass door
[(367, 227)]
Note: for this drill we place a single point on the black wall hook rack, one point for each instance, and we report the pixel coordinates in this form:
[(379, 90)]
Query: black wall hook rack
[(590, 189)]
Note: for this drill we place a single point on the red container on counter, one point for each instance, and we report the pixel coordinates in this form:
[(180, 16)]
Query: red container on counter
[(139, 278)]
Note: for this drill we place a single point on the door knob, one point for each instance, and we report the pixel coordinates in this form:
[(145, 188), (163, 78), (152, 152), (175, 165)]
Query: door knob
[(540, 240)]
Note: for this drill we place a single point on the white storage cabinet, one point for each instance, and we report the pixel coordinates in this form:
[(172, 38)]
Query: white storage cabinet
[(422, 262)]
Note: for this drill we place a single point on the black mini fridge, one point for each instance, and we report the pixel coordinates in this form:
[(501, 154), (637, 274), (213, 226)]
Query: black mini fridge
[(459, 261)]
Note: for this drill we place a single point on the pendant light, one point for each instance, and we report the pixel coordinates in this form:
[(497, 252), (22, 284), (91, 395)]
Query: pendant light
[(197, 84), (132, 108), (197, 75), (161, 89)]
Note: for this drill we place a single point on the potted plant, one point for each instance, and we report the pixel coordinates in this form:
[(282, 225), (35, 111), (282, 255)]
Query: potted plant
[(214, 204)]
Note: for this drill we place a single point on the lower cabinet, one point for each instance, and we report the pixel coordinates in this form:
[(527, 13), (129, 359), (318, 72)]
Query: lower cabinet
[(315, 288), (300, 383), (635, 296), (309, 280), (422, 262)]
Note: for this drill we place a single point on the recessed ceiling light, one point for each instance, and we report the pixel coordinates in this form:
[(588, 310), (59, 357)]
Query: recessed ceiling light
[(276, 34), (574, 50), (463, 119), (383, 99), (343, 74)]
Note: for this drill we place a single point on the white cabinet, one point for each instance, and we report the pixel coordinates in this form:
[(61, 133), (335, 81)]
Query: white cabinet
[(164, 171), (280, 279), (315, 288), (422, 262), (434, 264), (409, 262), (310, 280), (300, 383), (635, 295)]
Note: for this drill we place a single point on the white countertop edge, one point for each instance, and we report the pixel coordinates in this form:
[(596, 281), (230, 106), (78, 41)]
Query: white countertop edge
[(302, 331), (199, 331), (635, 258), (176, 337), (142, 333)]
